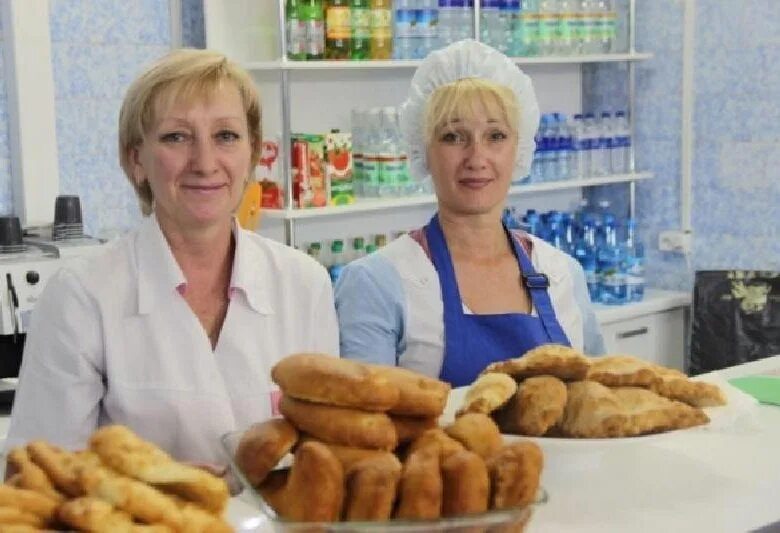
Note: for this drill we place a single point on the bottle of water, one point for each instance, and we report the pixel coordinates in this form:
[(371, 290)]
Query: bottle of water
[(358, 248), (567, 22), (533, 223), (587, 27), (427, 27), (635, 263), (546, 148), (604, 26), (506, 10), (569, 233), (611, 263), (585, 251), (337, 261), (405, 37), (555, 234), (529, 20), (606, 140), (581, 148), (621, 144), (456, 20), (548, 27), (514, 28), (492, 29), (565, 148), (537, 164), (393, 175), (358, 140), (598, 145), (371, 149), (591, 140)]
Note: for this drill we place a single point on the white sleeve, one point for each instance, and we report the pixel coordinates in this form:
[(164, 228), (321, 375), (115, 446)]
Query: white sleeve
[(326, 339), (61, 381)]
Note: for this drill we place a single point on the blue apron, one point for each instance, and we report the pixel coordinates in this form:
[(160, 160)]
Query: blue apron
[(471, 342)]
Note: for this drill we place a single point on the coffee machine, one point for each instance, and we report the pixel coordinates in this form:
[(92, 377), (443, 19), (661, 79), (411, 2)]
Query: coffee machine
[(25, 268)]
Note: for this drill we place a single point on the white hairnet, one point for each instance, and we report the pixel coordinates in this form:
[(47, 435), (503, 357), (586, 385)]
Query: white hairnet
[(467, 59)]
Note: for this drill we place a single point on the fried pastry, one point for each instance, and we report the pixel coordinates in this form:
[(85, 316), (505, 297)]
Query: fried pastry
[(536, 407), (408, 428), (262, 446), (340, 425), (477, 432), (97, 516), (675, 385), (61, 466), (438, 442), (622, 371), (349, 455), (31, 476), (466, 486), (11, 516), (272, 488), (566, 364), (419, 395), (28, 501), (515, 472), (650, 413), (592, 411), (371, 486), (489, 392), (314, 488), (335, 381), (421, 490), (128, 454)]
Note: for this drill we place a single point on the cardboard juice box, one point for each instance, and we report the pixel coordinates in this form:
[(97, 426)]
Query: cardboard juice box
[(308, 168), (338, 168)]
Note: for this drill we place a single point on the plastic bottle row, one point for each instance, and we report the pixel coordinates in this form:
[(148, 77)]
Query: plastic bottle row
[(581, 146), (609, 249), (410, 29), (336, 253)]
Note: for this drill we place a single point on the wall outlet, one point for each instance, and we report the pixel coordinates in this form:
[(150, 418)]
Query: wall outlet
[(675, 241)]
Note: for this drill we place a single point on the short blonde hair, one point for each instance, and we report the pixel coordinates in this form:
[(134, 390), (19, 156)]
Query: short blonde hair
[(182, 74), (458, 99)]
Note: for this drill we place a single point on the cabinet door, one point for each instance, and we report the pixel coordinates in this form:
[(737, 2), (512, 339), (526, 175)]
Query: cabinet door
[(658, 337)]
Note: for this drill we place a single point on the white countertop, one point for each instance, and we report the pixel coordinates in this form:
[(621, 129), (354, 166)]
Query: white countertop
[(654, 301)]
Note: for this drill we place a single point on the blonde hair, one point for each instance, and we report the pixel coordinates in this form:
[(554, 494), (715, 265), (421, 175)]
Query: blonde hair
[(459, 98), (184, 74)]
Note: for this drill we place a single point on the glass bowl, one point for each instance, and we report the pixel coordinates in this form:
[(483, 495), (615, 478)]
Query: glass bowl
[(505, 520)]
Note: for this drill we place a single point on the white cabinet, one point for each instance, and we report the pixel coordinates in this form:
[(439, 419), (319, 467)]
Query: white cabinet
[(654, 329)]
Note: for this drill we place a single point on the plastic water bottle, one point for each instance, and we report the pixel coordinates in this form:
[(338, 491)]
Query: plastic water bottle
[(492, 26), (456, 20), (555, 235), (532, 223), (356, 119), (606, 140), (581, 149), (371, 148), (604, 26), (548, 27), (567, 21), (391, 165), (598, 146), (612, 274), (565, 148), (337, 259), (587, 27), (405, 36), (358, 248), (514, 28), (427, 27), (526, 43), (545, 148), (635, 263), (590, 140), (585, 250), (621, 144)]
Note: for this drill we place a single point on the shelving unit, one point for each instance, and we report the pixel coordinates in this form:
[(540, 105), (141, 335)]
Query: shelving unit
[(236, 28)]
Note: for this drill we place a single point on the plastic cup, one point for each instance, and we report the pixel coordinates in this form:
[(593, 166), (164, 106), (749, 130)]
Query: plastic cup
[(10, 231), (67, 210)]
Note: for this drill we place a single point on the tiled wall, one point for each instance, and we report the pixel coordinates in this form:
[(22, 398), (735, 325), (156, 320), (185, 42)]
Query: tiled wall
[(6, 202), (97, 49)]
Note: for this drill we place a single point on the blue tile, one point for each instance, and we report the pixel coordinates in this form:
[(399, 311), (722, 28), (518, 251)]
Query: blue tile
[(659, 26), (761, 23), (68, 20), (193, 25), (719, 25)]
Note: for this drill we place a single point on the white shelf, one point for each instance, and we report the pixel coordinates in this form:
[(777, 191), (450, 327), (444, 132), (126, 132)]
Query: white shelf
[(364, 205), (285, 64)]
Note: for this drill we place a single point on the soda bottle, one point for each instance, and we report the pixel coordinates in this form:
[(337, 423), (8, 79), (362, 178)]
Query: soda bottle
[(358, 248), (314, 19), (338, 30), (381, 46), (361, 30), (296, 31)]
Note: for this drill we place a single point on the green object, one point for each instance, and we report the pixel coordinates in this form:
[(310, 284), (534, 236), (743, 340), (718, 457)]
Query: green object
[(765, 389)]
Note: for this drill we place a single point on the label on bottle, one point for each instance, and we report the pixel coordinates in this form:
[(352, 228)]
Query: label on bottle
[(338, 22), (296, 38), (548, 27), (405, 23), (315, 38), (427, 21), (371, 170), (381, 21), (391, 169), (566, 28), (361, 23)]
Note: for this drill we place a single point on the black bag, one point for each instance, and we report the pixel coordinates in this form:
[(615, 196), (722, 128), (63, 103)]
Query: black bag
[(736, 318)]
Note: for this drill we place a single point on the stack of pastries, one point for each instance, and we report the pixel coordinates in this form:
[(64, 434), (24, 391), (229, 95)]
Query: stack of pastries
[(120, 484), (556, 391), (367, 448)]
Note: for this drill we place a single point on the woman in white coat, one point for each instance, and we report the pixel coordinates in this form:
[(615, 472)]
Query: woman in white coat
[(450, 298), (174, 328)]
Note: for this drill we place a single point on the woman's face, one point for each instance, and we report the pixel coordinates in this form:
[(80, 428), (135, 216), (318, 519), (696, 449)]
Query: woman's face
[(196, 159), (471, 162)]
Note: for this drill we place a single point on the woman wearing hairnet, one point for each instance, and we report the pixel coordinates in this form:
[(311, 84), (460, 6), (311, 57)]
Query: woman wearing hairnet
[(450, 298)]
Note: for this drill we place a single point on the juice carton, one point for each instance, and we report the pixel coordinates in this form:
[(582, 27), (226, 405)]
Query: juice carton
[(267, 175), (309, 182), (338, 167)]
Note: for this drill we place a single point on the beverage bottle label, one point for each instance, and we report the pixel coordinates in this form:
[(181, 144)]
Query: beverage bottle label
[(296, 39), (405, 22), (338, 22), (381, 22)]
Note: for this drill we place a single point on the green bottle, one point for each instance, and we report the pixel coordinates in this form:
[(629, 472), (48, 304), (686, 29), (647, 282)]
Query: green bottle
[(296, 31), (361, 30)]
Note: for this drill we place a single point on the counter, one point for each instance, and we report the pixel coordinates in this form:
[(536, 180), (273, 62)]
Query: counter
[(654, 301)]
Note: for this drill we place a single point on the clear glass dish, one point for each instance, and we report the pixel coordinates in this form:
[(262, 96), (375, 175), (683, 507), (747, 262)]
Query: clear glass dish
[(507, 520)]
